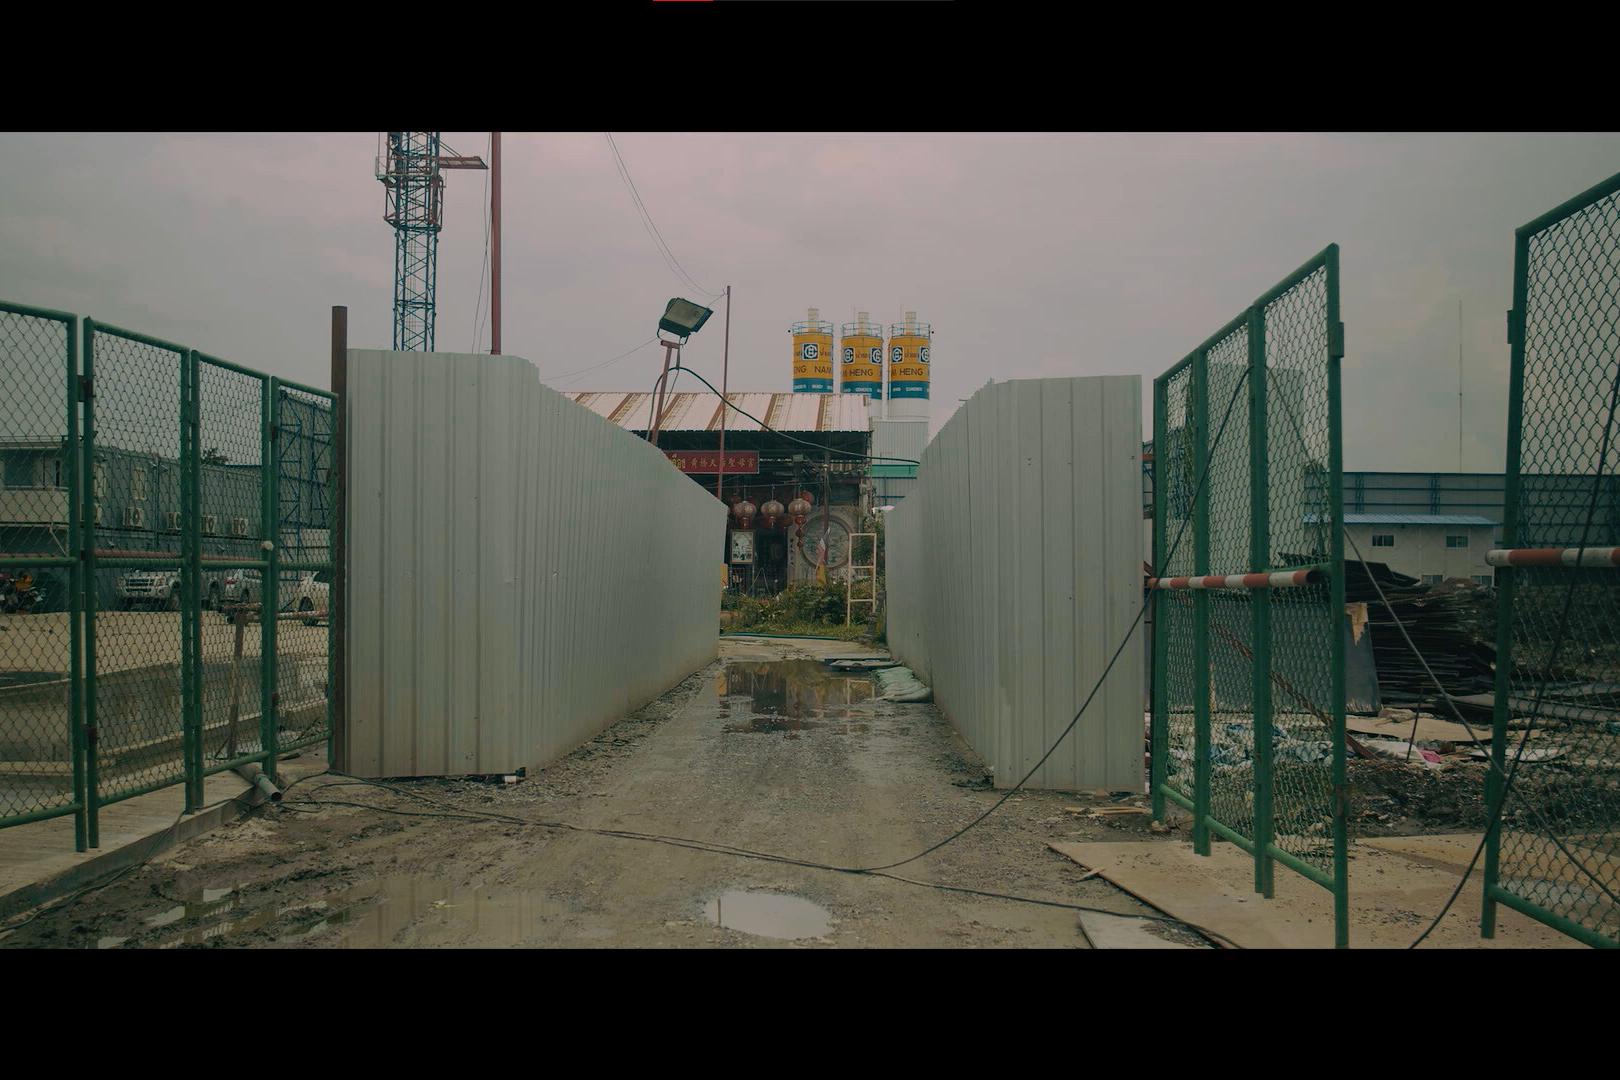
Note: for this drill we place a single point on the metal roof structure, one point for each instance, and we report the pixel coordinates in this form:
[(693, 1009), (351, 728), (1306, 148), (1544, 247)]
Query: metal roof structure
[(1418, 519), (701, 411)]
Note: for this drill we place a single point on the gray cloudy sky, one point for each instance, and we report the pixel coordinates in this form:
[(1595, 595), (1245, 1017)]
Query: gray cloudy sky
[(1032, 255)]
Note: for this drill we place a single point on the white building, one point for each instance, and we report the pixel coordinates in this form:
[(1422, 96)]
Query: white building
[(1432, 547)]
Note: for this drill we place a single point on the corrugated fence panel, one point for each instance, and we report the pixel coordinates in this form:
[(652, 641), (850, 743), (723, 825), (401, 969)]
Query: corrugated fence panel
[(523, 572), (1015, 570)]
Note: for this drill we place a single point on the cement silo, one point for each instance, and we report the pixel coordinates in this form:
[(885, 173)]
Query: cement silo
[(812, 355), (907, 375), (861, 357)]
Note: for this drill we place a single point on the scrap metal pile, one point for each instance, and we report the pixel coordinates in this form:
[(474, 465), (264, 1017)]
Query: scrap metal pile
[(1452, 624)]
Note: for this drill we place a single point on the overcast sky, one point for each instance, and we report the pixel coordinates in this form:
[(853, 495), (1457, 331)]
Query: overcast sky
[(1031, 255)]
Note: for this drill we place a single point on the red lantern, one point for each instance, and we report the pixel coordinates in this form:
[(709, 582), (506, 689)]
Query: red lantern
[(799, 509), (771, 512), (745, 514)]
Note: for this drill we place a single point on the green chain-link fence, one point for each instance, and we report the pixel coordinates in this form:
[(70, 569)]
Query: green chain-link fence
[(162, 515), (1248, 688), (1555, 854)]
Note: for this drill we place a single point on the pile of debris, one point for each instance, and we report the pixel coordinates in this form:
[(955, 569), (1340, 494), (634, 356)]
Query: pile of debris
[(1453, 624)]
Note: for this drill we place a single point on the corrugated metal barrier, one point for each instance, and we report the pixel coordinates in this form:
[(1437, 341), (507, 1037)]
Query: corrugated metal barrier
[(1015, 570), (523, 572)]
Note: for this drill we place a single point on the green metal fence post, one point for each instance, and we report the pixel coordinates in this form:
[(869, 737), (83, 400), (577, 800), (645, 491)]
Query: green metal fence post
[(1336, 612), (70, 472), (1505, 575), (1157, 597), (1260, 603), (87, 492), (191, 755), (270, 601), (192, 525), (1199, 427)]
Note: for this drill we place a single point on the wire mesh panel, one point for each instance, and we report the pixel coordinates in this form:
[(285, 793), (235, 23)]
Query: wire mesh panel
[(306, 505), (229, 522), (135, 690), (41, 764), (1305, 621), (1556, 853), (1175, 471), (1230, 619), (1253, 617)]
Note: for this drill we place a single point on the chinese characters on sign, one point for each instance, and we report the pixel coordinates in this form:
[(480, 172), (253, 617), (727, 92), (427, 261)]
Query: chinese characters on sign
[(708, 461)]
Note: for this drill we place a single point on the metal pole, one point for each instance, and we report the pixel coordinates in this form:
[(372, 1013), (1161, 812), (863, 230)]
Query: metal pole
[(270, 586), (1336, 615), (75, 486), (495, 243), (88, 531), (1260, 604), (725, 369), (337, 604), (658, 399), (1199, 430), (1156, 700), (1506, 581)]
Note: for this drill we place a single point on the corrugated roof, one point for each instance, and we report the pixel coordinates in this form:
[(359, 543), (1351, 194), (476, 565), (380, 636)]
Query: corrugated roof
[(701, 411)]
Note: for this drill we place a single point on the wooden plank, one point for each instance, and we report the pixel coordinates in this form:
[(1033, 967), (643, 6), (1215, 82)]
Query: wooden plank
[(1393, 897)]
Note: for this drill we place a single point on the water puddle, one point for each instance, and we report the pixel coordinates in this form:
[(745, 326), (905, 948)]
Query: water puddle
[(790, 697), (375, 914), (772, 915)]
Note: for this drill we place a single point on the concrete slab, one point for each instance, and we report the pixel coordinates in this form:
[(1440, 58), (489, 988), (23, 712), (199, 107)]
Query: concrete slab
[(1124, 932), (1394, 892), (38, 863)]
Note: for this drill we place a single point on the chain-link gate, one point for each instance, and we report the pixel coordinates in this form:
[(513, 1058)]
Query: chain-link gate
[(1553, 851), (42, 744), (173, 511), (1248, 687)]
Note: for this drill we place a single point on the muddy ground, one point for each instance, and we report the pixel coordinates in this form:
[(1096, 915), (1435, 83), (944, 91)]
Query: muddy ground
[(785, 758)]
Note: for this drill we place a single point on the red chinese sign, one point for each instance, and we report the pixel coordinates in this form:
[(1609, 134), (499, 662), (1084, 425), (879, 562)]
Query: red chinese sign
[(708, 461)]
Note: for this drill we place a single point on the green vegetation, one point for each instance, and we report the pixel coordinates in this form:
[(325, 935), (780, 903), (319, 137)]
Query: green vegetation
[(807, 609)]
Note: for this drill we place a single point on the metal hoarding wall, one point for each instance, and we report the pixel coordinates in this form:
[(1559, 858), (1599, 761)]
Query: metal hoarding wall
[(522, 571), (1015, 570)]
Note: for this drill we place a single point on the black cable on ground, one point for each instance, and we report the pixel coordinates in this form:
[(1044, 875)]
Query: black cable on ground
[(454, 813)]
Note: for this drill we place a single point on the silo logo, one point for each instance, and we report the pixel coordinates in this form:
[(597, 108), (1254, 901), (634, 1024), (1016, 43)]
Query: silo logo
[(896, 355), (922, 354), (877, 357), (849, 356), (811, 352)]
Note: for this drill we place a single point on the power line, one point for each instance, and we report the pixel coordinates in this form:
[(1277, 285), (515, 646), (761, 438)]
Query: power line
[(651, 226), (603, 364)]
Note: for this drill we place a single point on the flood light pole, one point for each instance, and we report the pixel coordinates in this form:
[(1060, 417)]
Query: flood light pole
[(683, 319)]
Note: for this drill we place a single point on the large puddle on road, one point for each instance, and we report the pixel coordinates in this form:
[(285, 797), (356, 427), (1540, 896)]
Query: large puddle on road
[(772, 915), (372, 914), (788, 697)]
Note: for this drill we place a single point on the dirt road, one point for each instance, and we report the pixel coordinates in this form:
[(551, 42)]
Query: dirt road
[(766, 749)]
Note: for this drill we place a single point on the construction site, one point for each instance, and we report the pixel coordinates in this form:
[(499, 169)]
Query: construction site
[(810, 635)]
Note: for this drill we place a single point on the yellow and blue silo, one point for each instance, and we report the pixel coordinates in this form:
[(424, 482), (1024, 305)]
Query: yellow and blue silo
[(812, 355), (909, 361), (860, 357)]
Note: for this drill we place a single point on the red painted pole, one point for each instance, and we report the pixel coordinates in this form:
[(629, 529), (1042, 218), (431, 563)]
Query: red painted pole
[(495, 243)]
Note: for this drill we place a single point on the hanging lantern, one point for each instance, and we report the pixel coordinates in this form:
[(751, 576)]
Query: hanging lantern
[(745, 511), (808, 497), (799, 509), (771, 511)]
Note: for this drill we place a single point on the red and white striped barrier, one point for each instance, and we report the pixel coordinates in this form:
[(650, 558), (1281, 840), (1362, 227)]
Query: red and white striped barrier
[(1281, 579), (1592, 556)]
